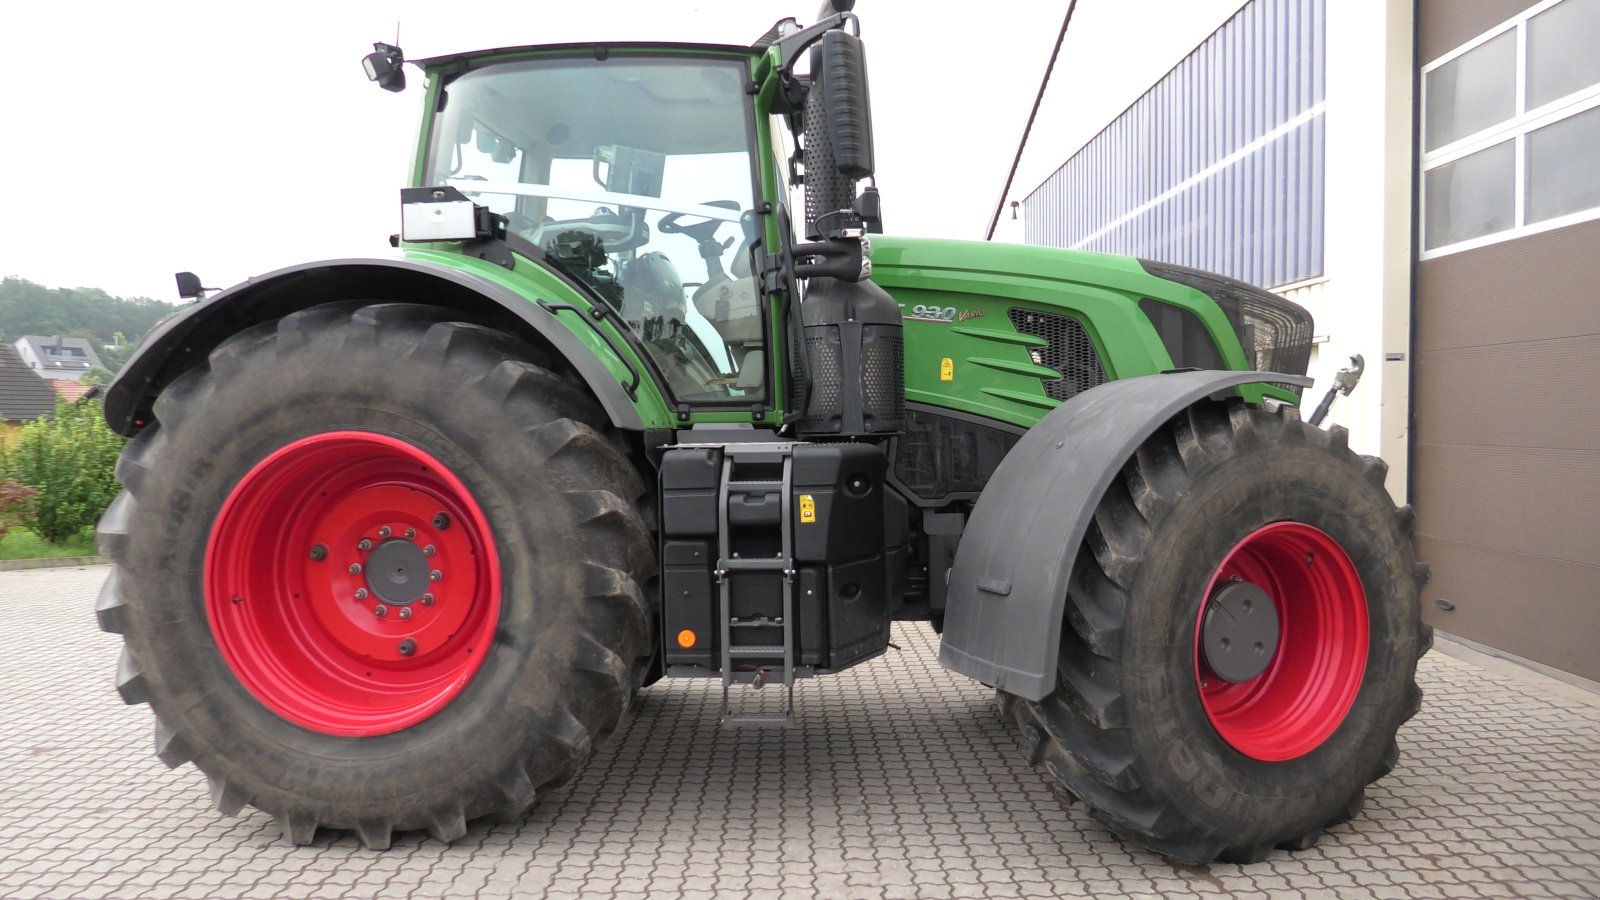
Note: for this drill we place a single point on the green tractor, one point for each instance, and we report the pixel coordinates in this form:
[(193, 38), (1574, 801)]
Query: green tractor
[(404, 536)]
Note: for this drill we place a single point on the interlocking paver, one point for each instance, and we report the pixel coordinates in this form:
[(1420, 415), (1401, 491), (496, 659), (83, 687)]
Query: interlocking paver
[(901, 781)]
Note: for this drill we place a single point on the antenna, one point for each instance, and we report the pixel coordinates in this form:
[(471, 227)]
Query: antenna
[(397, 32)]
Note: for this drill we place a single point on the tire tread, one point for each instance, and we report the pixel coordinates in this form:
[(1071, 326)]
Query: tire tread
[(613, 623), (1079, 735)]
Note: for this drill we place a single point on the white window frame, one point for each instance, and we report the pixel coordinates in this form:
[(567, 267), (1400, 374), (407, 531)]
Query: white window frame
[(1515, 128)]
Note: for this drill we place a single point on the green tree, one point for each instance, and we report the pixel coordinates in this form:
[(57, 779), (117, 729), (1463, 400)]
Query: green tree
[(97, 375), (71, 461), (29, 308)]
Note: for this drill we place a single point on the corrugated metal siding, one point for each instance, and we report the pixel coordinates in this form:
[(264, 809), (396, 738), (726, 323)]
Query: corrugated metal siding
[(1219, 166)]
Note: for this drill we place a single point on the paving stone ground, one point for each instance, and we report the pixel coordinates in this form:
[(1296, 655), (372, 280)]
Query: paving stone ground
[(900, 781)]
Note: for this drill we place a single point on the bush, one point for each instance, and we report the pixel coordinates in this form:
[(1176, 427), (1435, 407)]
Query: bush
[(71, 461), (17, 503)]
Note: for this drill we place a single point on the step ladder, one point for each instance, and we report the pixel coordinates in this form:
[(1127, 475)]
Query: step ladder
[(782, 565)]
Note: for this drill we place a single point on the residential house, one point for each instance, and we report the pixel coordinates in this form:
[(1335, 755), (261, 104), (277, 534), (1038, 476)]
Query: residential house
[(58, 358), (24, 395)]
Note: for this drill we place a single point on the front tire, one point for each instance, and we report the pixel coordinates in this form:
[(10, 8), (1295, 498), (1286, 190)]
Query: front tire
[(1224, 506), (270, 554)]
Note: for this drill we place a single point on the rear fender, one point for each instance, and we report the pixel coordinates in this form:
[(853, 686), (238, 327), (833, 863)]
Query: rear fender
[(186, 339), (1008, 584)]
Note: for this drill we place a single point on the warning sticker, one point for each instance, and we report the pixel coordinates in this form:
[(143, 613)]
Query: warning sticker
[(808, 510), (947, 369)]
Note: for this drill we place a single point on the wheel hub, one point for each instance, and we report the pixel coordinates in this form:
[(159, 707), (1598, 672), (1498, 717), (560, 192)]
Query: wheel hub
[(397, 572), (1292, 589), (327, 588), (1239, 634)]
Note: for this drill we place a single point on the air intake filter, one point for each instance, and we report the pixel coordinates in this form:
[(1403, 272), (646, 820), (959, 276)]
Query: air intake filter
[(855, 351)]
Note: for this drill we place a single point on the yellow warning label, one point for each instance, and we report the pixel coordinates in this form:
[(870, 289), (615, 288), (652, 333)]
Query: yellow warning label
[(947, 369), (808, 510)]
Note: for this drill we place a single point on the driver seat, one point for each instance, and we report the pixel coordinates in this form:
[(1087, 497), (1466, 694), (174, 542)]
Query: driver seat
[(733, 304)]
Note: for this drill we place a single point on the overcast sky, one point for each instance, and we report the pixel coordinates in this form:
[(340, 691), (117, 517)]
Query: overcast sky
[(144, 138), (231, 139)]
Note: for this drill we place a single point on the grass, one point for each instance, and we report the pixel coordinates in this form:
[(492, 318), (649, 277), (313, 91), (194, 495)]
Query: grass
[(20, 543)]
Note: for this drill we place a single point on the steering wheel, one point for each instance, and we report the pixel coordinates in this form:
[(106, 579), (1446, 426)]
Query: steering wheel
[(701, 231)]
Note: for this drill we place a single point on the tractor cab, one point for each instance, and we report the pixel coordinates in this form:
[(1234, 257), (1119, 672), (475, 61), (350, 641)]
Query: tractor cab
[(652, 177), (635, 174)]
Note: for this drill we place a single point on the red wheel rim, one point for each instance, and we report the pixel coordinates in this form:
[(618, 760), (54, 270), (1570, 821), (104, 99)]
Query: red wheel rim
[(1302, 696), (307, 548)]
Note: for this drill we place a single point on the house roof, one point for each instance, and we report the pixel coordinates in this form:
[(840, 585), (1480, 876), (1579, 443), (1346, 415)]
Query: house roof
[(24, 396), (59, 357), (69, 390)]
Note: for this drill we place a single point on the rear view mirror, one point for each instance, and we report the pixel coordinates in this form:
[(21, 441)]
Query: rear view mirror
[(840, 70)]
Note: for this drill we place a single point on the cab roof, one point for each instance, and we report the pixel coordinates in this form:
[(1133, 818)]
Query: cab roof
[(600, 49)]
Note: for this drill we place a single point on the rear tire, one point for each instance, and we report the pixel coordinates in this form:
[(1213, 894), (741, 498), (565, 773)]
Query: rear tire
[(1140, 727), (263, 664)]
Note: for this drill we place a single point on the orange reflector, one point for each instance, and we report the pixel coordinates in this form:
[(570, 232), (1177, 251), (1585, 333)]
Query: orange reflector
[(686, 638)]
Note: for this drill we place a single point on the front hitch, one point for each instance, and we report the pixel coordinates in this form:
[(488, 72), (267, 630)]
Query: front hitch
[(1344, 382)]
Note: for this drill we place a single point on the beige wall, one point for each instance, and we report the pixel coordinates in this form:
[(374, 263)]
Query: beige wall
[(1364, 304)]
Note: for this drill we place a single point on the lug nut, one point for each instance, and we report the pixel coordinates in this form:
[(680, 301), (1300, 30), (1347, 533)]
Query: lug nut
[(319, 553), (435, 575), (380, 610), (355, 569), (429, 550), (384, 531), (361, 593), (405, 612), (410, 533), (441, 521), (364, 544), (407, 647), (427, 599)]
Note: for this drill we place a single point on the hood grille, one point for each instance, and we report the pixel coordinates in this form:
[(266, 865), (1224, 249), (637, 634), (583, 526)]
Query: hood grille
[(1068, 350)]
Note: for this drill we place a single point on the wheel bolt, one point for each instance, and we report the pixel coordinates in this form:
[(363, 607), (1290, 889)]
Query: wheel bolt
[(427, 599), (380, 610), (355, 569), (441, 521), (407, 647), (364, 544), (383, 531), (435, 575), (319, 553), (361, 593), (405, 612), (410, 533), (429, 550)]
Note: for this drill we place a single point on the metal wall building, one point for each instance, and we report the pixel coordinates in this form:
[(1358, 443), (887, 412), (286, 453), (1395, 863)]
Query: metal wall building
[(1400, 162), (1219, 166)]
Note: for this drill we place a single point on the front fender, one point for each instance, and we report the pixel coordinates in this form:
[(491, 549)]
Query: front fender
[(187, 338), (1008, 584)]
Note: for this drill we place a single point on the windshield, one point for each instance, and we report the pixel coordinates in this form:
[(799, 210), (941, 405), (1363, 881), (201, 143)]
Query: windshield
[(635, 177)]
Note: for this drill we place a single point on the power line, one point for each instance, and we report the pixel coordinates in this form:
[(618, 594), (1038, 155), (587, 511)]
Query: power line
[(999, 206)]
